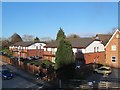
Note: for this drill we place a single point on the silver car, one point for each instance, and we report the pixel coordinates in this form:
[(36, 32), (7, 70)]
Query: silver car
[(103, 70)]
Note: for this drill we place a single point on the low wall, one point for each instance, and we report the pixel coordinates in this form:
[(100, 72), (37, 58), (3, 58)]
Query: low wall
[(99, 57)]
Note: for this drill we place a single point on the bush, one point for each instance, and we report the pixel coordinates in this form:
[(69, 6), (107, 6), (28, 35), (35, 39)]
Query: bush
[(47, 62), (67, 72), (35, 63)]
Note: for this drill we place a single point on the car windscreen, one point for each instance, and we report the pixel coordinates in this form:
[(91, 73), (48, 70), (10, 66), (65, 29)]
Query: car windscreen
[(104, 69), (5, 71)]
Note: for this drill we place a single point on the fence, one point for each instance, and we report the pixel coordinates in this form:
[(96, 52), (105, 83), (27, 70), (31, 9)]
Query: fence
[(30, 68)]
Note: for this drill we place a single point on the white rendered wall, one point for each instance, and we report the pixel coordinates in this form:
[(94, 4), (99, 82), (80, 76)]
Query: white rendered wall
[(90, 48)]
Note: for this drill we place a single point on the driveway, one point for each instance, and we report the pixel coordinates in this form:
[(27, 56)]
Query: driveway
[(113, 79)]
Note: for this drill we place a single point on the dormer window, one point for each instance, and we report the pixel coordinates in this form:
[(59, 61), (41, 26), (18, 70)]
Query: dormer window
[(97, 38)]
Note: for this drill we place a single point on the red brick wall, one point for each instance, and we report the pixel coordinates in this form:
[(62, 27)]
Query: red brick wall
[(29, 53), (47, 55), (110, 52), (32, 53), (89, 57), (35, 52)]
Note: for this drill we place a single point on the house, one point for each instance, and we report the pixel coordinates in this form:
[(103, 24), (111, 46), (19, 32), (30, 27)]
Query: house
[(26, 49), (97, 56), (113, 50), (82, 47)]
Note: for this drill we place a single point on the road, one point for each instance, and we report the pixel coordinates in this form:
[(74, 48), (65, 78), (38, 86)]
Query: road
[(21, 80)]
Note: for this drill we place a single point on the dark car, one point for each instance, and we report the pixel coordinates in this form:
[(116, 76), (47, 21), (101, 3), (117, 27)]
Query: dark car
[(6, 74)]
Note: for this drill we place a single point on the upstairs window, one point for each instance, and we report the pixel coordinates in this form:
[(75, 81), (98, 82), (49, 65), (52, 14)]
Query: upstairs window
[(113, 47), (79, 50), (113, 59), (97, 49)]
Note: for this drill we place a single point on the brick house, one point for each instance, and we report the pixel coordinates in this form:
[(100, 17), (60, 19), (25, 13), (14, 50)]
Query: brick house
[(85, 48), (26, 49), (98, 57), (113, 50)]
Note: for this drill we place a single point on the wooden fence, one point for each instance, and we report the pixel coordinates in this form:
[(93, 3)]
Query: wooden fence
[(31, 68)]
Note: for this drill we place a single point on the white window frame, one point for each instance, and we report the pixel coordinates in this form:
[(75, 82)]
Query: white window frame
[(112, 59), (113, 47), (53, 51)]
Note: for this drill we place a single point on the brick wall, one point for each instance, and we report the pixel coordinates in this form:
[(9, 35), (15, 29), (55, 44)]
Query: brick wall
[(48, 55), (29, 53), (35, 52), (100, 57), (116, 53)]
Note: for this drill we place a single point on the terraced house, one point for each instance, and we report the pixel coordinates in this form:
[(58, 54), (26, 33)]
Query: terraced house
[(83, 48), (103, 48), (26, 49)]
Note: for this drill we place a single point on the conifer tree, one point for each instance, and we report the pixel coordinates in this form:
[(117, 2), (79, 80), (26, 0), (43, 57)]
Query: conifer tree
[(60, 34), (64, 54)]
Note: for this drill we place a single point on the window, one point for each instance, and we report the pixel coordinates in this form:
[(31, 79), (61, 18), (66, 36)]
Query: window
[(36, 47), (53, 51), (46, 49), (97, 49), (117, 36), (113, 47), (79, 50), (94, 49), (113, 59)]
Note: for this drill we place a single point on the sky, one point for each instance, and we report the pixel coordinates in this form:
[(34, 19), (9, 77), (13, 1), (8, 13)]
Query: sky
[(43, 19)]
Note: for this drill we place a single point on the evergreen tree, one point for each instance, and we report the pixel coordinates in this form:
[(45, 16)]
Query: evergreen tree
[(36, 39), (60, 34), (64, 54)]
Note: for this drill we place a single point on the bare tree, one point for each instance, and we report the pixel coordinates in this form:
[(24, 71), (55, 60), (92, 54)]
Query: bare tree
[(113, 30), (28, 37), (5, 43), (46, 39), (73, 36)]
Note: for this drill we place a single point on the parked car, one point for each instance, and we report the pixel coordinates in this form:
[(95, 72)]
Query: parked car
[(103, 70), (6, 74)]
